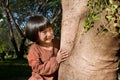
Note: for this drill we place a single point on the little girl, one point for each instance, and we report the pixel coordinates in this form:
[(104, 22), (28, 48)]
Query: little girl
[(44, 56)]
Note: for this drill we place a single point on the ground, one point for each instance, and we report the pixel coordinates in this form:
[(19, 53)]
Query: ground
[(14, 70)]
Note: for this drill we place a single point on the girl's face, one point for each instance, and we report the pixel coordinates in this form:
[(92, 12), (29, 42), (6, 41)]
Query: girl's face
[(45, 36)]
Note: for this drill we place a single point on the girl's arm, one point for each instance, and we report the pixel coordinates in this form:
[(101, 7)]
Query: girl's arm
[(46, 68)]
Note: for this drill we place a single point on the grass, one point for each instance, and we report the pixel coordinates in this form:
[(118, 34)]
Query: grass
[(14, 70)]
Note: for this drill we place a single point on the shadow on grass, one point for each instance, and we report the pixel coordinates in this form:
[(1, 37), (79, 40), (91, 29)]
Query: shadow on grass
[(14, 70)]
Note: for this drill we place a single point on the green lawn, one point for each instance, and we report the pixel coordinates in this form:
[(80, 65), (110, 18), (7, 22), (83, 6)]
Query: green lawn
[(14, 70)]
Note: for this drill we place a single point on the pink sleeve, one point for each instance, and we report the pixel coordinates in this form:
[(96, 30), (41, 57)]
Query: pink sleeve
[(46, 68)]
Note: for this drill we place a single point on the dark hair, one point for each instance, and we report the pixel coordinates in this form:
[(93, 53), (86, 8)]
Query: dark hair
[(34, 24)]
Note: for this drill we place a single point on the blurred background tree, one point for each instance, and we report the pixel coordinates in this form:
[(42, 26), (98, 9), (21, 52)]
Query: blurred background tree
[(13, 16)]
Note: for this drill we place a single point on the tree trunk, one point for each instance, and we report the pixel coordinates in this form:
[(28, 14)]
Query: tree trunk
[(20, 54), (93, 53), (21, 50)]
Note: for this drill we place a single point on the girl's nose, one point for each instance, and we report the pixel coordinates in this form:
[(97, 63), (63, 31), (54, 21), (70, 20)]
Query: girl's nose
[(48, 33)]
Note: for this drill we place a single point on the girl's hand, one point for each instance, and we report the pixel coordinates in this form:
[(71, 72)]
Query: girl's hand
[(61, 56)]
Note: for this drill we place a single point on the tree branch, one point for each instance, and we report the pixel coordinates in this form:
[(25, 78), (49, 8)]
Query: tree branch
[(56, 16), (12, 20)]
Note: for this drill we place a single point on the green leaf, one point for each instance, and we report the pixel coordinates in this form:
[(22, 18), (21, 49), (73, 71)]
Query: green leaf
[(115, 6), (52, 4), (96, 18), (109, 17), (86, 26), (111, 1), (108, 9), (119, 31), (116, 24)]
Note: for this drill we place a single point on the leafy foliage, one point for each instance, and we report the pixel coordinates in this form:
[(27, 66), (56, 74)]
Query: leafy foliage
[(4, 40), (96, 7)]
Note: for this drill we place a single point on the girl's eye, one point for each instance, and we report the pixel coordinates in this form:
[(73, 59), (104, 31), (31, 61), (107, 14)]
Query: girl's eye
[(47, 30), (44, 32), (50, 30)]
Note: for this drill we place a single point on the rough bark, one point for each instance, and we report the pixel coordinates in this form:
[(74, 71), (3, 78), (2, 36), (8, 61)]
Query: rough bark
[(73, 12), (93, 54)]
